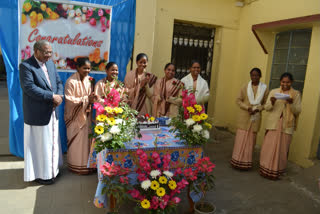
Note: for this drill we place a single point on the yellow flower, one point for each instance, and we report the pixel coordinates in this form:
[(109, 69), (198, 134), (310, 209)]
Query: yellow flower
[(99, 129), (33, 23), (101, 117), (54, 15), (155, 185), (196, 118), (118, 110), (33, 15), (203, 116), (145, 204), (108, 109), (43, 7), (151, 119), (161, 192), (27, 7), (111, 121), (190, 109), (208, 125), (172, 184), (40, 17), (163, 180), (23, 19), (198, 107)]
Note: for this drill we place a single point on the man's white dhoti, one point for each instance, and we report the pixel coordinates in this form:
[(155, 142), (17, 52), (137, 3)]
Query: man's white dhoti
[(42, 150)]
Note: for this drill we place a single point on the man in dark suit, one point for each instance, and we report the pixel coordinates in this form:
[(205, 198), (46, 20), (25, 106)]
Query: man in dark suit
[(42, 94)]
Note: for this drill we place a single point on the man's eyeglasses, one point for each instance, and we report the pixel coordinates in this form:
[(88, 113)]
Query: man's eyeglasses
[(46, 52)]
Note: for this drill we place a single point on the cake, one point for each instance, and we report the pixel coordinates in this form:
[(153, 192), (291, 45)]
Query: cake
[(145, 122)]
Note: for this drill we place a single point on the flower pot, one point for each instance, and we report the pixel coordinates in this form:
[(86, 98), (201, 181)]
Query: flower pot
[(204, 207)]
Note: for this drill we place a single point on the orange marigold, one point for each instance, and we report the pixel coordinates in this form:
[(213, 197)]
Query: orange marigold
[(49, 11), (102, 66), (33, 23), (27, 6), (40, 17), (33, 15), (105, 55), (97, 60), (23, 19), (43, 7), (54, 15)]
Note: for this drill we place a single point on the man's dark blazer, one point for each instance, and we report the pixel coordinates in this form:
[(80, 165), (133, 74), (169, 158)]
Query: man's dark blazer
[(37, 93)]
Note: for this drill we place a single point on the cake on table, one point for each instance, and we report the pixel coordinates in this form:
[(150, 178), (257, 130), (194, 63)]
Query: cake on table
[(145, 122)]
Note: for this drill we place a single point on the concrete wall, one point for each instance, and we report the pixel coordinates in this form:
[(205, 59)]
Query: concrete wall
[(236, 51)]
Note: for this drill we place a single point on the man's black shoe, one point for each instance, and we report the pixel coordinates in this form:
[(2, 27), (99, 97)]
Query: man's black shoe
[(45, 182)]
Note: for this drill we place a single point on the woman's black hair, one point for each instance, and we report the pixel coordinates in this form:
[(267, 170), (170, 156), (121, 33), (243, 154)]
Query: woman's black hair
[(168, 64), (81, 61), (140, 56), (194, 61), (256, 70), (110, 64), (287, 74)]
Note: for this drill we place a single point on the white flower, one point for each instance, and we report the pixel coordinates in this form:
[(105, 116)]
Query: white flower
[(78, 12), (84, 9), (65, 6), (62, 63), (146, 184), (55, 56), (118, 121), (197, 128), (114, 130), (105, 137), (168, 174), (77, 20), (206, 134), (71, 14), (189, 122), (155, 173)]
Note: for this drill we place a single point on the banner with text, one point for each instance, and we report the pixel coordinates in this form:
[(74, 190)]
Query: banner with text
[(74, 29)]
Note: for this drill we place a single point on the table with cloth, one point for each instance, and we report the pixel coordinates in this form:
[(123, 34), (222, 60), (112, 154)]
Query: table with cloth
[(166, 143)]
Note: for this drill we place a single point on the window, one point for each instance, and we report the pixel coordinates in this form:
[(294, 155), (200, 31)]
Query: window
[(192, 42), (291, 55)]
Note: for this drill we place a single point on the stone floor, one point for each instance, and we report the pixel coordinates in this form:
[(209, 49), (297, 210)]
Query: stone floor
[(236, 192)]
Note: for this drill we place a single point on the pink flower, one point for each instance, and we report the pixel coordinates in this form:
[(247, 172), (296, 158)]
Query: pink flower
[(139, 152), (99, 108), (108, 23), (22, 54), (28, 51), (107, 11), (103, 20), (155, 155), (103, 28), (134, 193), (93, 22), (163, 204), (190, 174), (184, 93), (89, 13), (124, 180), (144, 156), (178, 171), (176, 200), (147, 167), (100, 12), (154, 202), (142, 177), (112, 99)]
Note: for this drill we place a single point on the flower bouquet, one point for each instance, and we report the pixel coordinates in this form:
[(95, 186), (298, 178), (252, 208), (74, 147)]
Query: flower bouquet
[(116, 123), (192, 123), (156, 187), (117, 185)]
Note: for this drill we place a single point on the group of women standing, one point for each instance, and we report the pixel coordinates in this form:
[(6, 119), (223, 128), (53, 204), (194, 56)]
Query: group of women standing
[(280, 123), (142, 90)]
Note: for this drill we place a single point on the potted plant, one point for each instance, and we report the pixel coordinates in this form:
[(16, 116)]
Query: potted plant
[(117, 185), (157, 187), (201, 180)]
